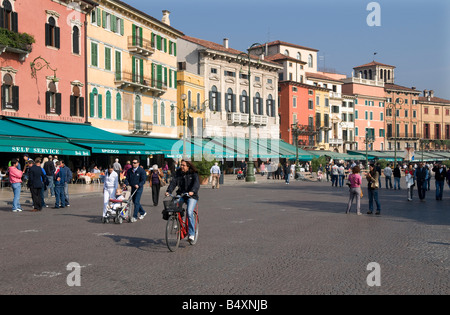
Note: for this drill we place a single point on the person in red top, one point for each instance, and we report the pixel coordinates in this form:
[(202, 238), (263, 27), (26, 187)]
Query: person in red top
[(355, 190), (409, 176), (15, 179)]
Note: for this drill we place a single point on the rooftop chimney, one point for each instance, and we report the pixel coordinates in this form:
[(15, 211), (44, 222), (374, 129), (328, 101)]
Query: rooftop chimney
[(425, 93), (225, 42), (165, 19), (431, 93)]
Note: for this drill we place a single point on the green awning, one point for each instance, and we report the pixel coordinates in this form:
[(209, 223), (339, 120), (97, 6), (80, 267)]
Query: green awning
[(41, 146)]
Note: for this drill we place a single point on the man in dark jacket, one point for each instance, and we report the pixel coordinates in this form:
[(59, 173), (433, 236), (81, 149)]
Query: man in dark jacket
[(36, 178), (49, 168), (397, 175), (440, 173), (421, 176), (135, 178)]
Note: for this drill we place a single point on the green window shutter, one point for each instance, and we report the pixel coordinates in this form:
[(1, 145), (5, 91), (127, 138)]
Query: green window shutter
[(141, 66), (94, 54), (141, 37), (118, 107), (165, 76), (107, 58), (99, 20), (100, 110), (165, 44), (118, 66), (133, 68), (153, 75), (158, 42), (170, 78), (175, 49), (170, 47), (91, 104), (175, 79), (152, 40), (133, 33), (108, 105), (159, 76), (122, 27), (103, 19), (113, 23)]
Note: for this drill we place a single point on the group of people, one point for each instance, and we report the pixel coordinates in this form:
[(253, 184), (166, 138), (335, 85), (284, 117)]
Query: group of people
[(40, 176), (415, 175)]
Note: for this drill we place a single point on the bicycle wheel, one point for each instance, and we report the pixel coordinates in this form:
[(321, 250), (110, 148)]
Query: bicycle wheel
[(173, 233), (196, 229)]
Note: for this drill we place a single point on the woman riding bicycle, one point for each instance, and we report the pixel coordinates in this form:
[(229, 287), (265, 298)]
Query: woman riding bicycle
[(186, 179)]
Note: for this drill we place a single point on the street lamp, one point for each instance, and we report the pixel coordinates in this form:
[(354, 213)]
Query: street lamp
[(393, 106), (367, 141), (184, 114), (242, 58), (295, 132)]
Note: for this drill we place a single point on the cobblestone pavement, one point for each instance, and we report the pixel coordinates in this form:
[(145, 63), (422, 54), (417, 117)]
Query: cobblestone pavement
[(265, 238)]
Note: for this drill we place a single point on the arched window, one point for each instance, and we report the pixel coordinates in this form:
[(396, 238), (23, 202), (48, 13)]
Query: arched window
[(310, 61), (53, 99), (243, 106), (76, 40), (8, 18), (52, 33), (365, 74), (108, 105), (10, 93), (118, 106), (155, 112), (299, 56), (172, 115), (270, 106), (214, 99), (163, 114), (257, 104), (286, 52), (76, 102), (381, 74)]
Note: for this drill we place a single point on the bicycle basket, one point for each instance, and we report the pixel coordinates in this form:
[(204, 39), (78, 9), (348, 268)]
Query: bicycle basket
[(170, 205)]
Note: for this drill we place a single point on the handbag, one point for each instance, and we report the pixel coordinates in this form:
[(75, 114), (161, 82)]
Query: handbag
[(362, 193)]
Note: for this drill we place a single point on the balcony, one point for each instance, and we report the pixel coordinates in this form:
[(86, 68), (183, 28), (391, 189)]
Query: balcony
[(336, 141), (239, 118), (140, 83), (140, 127), (140, 46), (17, 43), (349, 140), (403, 136)]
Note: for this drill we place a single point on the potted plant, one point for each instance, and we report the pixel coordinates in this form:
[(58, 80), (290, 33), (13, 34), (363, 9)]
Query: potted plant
[(203, 166)]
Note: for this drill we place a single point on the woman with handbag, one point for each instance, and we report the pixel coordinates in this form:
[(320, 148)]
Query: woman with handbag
[(355, 190), (372, 179)]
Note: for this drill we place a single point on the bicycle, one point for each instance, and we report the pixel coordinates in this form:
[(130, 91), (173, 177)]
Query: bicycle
[(177, 228)]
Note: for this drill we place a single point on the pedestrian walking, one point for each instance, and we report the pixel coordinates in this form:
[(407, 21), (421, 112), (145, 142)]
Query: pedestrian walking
[(440, 174), (59, 180), (421, 176), (397, 176), (36, 178), (136, 179), (388, 175), (334, 175), (287, 172), (68, 179), (117, 166), (15, 179), (215, 173), (410, 183), (49, 168), (355, 190), (156, 179), (378, 169), (110, 185), (341, 171), (372, 178)]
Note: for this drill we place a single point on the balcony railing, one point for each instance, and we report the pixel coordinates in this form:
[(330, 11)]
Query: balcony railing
[(336, 141), (259, 120), (140, 127), (145, 84), (140, 45), (237, 118), (399, 136)]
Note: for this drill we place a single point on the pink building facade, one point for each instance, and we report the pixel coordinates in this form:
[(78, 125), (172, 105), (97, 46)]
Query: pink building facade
[(44, 79)]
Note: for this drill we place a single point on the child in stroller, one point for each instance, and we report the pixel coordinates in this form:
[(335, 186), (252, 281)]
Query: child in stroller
[(319, 176), (119, 208), (240, 175)]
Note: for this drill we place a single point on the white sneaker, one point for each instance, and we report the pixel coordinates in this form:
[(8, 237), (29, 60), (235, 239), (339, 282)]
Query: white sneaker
[(142, 216), (133, 219), (191, 238)]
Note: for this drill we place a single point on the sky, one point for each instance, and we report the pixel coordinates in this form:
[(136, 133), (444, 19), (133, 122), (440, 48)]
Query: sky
[(412, 35)]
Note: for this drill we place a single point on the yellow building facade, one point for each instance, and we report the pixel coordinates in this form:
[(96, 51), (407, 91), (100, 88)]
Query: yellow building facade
[(323, 111), (192, 88), (132, 71)]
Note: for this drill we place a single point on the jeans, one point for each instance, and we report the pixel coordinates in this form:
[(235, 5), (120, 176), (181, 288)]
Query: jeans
[(439, 189), (286, 178), (51, 186), (137, 202), (354, 192), (16, 201), (66, 192), (341, 180), (421, 188), (373, 194), (191, 203), (410, 191), (43, 197), (60, 199), (396, 182), (388, 181), (334, 180)]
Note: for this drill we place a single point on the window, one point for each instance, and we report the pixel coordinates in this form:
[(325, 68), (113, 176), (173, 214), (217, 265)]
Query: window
[(436, 111), (8, 18), (299, 56), (10, 93), (294, 102), (425, 110), (76, 102), (229, 101), (243, 105), (310, 61), (286, 52), (317, 100), (257, 104), (172, 116), (118, 106), (155, 112), (310, 104), (213, 70), (94, 54), (381, 116), (118, 63), (76, 40), (163, 114), (270, 110), (108, 105), (214, 96), (108, 58), (356, 114), (95, 102), (230, 74), (52, 33), (53, 100)]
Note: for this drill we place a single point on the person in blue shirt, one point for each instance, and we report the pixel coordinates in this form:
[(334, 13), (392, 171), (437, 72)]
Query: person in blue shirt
[(135, 178), (59, 181)]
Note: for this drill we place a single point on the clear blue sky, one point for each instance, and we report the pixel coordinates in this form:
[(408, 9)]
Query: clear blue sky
[(414, 35)]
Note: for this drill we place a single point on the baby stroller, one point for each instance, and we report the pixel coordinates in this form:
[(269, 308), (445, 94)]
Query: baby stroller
[(119, 209), (240, 175), (319, 176)]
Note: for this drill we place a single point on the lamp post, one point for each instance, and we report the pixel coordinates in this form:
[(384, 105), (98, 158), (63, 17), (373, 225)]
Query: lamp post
[(393, 106), (184, 114), (242, 58), (367, 141), (295, 132)]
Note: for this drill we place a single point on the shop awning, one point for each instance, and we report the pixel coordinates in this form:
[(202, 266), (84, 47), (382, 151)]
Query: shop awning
[(21, 139)]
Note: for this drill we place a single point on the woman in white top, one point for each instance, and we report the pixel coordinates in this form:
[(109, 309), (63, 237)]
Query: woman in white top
[(109, 187)]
